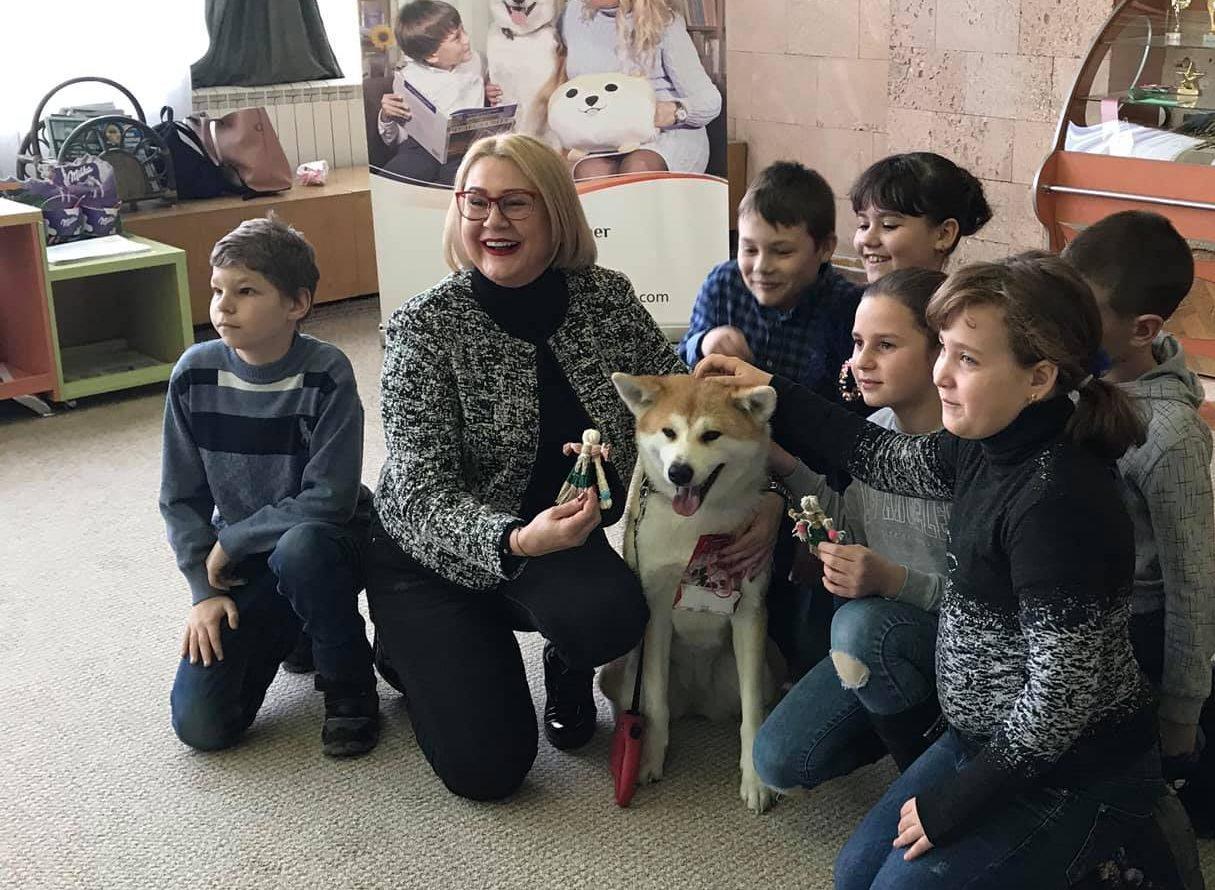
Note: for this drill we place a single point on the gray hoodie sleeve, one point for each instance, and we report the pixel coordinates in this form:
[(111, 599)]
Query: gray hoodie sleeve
[(1179, 499)]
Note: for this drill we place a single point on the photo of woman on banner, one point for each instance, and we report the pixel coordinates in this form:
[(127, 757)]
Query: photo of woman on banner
[(649, 38)]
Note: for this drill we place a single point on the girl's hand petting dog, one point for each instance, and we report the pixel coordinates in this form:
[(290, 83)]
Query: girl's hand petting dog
[(202, 637), (752, 550), (855, 571), (729, 369), (558, 528)]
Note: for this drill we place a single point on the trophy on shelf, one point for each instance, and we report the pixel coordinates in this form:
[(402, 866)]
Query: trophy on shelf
[(1187, 89), (1172, 24), (1208, 39)]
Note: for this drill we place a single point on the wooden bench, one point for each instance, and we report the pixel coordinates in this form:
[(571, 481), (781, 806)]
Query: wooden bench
[(335, 217)]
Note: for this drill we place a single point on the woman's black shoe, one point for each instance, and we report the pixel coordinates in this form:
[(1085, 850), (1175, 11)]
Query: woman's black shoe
[(383, 667), (569, 711)]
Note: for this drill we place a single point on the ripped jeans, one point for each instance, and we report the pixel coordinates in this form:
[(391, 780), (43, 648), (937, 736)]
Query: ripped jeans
[(820, 730)]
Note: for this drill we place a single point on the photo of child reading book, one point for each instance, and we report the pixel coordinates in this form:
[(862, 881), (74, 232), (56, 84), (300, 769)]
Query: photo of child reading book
[(440, 101)]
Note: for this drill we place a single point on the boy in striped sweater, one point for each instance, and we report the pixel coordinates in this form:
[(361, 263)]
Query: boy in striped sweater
[(261, 495)]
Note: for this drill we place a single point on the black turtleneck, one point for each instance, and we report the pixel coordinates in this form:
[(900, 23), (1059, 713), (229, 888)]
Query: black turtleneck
[(533, 313), (1034, 665)]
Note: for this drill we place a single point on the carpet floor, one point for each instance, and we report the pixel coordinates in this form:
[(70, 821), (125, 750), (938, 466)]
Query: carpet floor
[(96, 791)]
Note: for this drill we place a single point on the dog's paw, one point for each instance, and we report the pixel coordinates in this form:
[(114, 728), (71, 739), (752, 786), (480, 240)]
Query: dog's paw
[(629, 147), (755, 794), (653, 755), (574, 155)]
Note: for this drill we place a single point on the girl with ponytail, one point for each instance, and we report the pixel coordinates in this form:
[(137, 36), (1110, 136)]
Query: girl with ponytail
[(1049, 760)]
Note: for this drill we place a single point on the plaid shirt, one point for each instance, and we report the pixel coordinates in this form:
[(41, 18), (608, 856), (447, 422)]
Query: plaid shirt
[(807, 343)]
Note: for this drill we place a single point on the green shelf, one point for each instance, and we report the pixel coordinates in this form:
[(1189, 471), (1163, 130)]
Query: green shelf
[(119, 322)]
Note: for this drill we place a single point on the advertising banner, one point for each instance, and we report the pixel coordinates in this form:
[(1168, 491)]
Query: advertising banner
[(631, 95)]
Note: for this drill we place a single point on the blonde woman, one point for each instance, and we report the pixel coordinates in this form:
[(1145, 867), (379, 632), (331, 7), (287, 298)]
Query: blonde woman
[(648, 38), (486, 376)]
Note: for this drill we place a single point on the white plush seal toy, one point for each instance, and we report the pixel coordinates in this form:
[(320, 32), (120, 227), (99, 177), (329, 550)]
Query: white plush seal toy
[(602, 112)]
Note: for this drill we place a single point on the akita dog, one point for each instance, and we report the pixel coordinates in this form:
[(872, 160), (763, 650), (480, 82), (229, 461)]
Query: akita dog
[(701, 470), (524, 56)]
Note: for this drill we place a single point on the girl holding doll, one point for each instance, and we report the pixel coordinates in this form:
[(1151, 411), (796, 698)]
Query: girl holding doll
[(880, 674), (1049, 761)]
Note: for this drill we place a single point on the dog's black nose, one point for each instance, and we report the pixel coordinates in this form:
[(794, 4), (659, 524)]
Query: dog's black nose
[(680, 474), (592, 99)]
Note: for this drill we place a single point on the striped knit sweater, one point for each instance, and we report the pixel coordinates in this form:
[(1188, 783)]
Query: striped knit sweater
[(252, 450), (1034, 663)]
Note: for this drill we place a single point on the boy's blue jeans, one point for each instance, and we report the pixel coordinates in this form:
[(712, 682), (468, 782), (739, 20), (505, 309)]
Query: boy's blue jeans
[(312, 577), (820, 730), (1042, 837)]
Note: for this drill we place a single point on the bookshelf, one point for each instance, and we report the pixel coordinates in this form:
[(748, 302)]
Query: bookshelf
[(706, 26), (25, 326)]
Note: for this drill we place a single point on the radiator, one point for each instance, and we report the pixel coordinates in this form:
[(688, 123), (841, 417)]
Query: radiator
[(314, 121)]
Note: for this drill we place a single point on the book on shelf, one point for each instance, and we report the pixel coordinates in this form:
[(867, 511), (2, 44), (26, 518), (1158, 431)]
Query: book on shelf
[(703, 14)]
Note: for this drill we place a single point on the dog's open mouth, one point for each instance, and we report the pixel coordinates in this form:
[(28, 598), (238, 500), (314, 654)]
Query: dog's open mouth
[(688, 498), (519, 12)]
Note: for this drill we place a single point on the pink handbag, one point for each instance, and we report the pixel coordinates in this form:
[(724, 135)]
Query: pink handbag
[(244, 143)]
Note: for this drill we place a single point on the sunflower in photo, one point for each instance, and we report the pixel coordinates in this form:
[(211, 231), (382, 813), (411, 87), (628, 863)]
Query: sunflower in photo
[(380, 37)]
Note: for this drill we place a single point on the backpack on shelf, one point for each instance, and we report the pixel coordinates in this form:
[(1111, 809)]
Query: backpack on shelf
[(198, 174)]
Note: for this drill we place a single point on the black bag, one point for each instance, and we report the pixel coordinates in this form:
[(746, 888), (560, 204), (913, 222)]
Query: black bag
[(198, 176)]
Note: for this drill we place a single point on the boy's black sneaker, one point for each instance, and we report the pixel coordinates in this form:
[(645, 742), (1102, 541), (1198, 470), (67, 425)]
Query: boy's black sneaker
[(352, 719), (299, 660), (569, 712)]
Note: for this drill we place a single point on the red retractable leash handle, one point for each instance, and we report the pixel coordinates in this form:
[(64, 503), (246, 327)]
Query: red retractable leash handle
[(626, 741)]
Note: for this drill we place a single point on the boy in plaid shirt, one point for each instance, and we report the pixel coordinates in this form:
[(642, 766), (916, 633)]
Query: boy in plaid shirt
[(780, 305)]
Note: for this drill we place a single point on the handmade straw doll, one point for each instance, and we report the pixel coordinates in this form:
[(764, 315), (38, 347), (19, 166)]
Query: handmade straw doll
[(812, 526), (583, 476)]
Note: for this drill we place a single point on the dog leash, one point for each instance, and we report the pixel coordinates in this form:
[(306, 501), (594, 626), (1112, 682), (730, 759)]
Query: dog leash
[(643, 495)]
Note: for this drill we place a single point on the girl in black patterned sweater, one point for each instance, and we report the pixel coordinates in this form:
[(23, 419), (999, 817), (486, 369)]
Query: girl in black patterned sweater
[(1049, 761)]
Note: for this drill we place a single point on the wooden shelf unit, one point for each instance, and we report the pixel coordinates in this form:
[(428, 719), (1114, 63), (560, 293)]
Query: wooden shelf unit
[(118, 322), (25, 324), (335, 218)]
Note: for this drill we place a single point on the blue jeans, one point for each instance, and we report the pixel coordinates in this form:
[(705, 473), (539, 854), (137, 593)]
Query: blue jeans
[(312, 578), (820, 729), (1042, 837)]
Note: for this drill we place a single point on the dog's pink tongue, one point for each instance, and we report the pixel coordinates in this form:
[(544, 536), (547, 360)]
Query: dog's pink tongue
[(687, 500), (519, 17)]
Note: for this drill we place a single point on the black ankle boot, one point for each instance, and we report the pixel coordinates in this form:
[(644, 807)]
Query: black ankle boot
[(908, 734), (569, 712), (383, 667), (352, 718)]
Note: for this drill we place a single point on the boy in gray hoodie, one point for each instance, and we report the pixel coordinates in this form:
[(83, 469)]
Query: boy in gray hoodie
[(1140, 269)]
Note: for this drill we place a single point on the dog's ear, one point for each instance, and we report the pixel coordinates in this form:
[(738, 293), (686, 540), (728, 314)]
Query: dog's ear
[(639, 393), (757, 401)]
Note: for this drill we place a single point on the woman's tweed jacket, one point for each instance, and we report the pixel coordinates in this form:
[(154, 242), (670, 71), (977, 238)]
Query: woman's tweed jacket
[(461, 412)]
